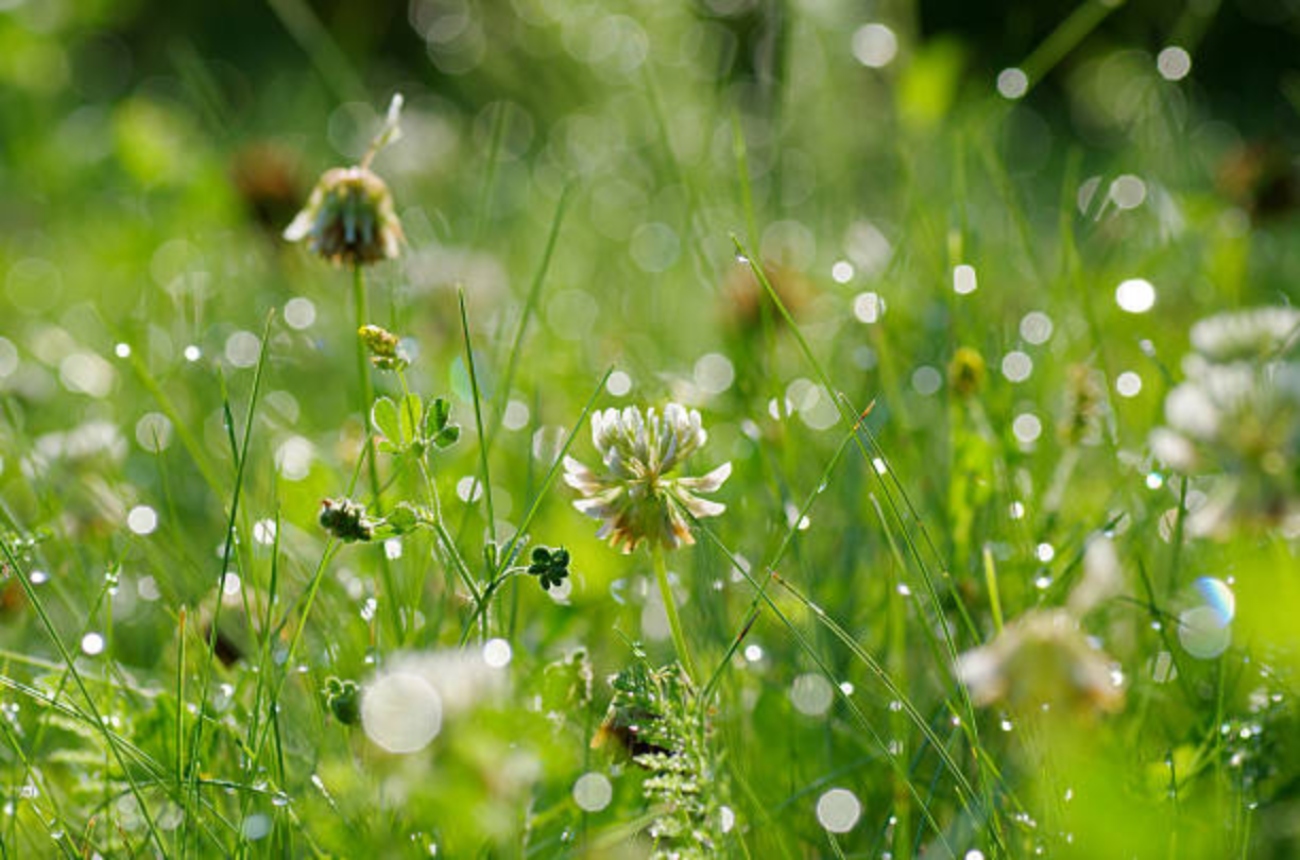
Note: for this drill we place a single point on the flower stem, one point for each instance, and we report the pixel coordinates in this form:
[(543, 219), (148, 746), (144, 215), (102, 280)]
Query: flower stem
[(670, 608), (362, 310)]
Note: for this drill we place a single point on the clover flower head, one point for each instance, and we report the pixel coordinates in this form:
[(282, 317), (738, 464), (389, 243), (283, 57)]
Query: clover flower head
[(346, 520), (1248, 334), (1041, 658), (384, 348), (636, 496), (349, 218), (1237, 418)]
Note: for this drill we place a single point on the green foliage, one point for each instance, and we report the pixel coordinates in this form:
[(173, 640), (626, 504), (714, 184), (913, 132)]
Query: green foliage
[(407, 426), (343, 698), (660, 723), (550, 566), (943, 429)]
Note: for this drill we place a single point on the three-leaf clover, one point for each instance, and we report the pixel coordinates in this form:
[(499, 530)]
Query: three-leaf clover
[(408, 425), (550, 566), (343, 698)]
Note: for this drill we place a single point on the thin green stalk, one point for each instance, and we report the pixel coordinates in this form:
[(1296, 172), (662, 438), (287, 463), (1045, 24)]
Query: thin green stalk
[(847, 700), (991, 583), (95, 715), (188, 440), (1068, 34), (227, 554), (313, 587), (478, 417), (896, 666), (508, 553), (670, 608), (362, 312), (480, 609), (313, 37), (740, 153), (490, 175), (530, 307), (755, 606)]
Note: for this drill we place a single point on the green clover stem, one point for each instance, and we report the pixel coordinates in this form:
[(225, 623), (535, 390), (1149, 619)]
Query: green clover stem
[(670, 608), (367, 398)]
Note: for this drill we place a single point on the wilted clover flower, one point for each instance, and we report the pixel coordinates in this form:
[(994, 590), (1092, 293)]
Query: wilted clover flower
[(1041, 658), (349, 218), (636, 497), (346, 520), (1237, 418)]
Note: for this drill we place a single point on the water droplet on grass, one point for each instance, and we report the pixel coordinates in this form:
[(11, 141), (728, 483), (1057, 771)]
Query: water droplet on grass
[(497, 653), (838, 810), (92, 644), (401, 712), (811, 695), (593, 792), (142, 520), (1136, 295)]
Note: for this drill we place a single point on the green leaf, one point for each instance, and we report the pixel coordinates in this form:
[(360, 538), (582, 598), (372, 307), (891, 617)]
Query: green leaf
[(384, 418), (410, 411), (404, 518), (447, 436), (439, 415)]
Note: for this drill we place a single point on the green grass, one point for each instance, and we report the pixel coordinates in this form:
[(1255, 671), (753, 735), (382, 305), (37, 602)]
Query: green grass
[(591, 227)]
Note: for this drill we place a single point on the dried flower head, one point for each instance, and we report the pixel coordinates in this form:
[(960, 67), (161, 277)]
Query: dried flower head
[(743, 296), (349, 218), (1237, 418), (636, 496), (1041, 658), (346, 520)]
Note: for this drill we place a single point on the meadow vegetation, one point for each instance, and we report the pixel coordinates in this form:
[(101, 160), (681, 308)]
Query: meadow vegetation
[(680, 430)]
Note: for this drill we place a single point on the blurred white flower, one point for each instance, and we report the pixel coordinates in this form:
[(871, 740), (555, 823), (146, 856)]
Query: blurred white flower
[(1041, 658), (404, 706), (1237, 419), (1258, 333)]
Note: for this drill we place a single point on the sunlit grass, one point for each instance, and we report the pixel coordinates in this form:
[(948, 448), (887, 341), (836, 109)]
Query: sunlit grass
[(965, 599)]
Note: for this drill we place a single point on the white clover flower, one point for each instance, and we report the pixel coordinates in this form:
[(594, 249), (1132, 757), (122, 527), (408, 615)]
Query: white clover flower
[(636, 497), (1041, 658), (1237, 418), (1248, 334), (349, 218)]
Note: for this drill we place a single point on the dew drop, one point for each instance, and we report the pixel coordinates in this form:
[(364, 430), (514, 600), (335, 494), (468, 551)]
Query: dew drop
[(838, 810), (593, 792)]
